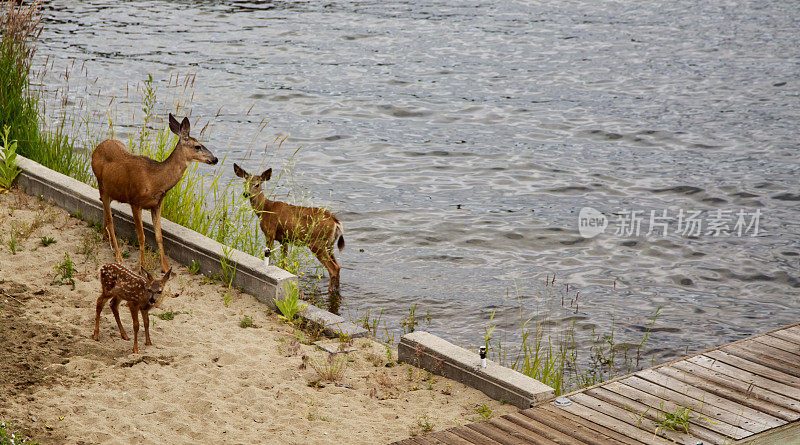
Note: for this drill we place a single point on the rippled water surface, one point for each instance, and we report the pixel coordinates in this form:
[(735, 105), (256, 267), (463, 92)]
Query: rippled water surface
[(459, 140)]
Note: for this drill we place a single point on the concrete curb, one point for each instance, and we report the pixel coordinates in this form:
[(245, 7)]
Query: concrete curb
[(427, 351), (181, 244)]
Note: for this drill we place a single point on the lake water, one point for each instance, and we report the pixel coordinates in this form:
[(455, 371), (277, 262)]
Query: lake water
[(458, 142)]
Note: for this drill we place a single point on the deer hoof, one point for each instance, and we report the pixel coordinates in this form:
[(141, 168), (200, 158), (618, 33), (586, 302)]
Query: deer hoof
[(125, 337)]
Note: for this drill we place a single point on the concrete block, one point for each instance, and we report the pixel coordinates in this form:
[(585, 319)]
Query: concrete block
[(427, 351)]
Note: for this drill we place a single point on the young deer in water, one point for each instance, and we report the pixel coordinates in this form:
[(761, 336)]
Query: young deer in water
[(142, 293), (317, 228), (143, 182)]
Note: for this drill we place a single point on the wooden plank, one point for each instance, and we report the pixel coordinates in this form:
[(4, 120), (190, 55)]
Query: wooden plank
[(705, 419), (747, 389), (425, 439), (768, 421), (754, 367), (524, 423), (787, 434), (607, 421), (767, 356), (624, 416), (583, 428), (787, 335), (742, 398), (679, 397), (572, 426), (745, 376), (488, 429), (450, 438), (530, 436), (473, 436), (651, 413), (775, 342)]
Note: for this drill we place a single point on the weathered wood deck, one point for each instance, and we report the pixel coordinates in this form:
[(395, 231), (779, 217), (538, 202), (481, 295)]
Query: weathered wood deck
[(743, 392)]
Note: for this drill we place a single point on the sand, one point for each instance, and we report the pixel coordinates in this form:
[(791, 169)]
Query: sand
[(206, 379)]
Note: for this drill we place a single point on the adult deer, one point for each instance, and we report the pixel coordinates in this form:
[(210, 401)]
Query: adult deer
[(317, 228), (143, 182)]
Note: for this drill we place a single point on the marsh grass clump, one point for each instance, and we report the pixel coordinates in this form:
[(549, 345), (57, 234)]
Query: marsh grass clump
[(12, 241), (20, 101), (329, 369), (555, 358)]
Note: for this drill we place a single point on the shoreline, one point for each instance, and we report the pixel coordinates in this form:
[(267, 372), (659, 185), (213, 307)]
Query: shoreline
[(264, 388)]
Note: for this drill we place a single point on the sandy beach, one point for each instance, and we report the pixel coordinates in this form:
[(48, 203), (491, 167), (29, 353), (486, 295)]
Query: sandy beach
[(206, 379)]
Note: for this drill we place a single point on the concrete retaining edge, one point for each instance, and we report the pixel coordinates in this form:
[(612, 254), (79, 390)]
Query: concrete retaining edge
[(181, 244), (427, 351)]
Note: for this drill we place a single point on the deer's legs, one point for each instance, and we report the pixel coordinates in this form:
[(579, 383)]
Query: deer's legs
[(108, 226), (156, 213), (137, 221), (101, 301), (146, 321), (115, 309), (135, 317), (325, 256)]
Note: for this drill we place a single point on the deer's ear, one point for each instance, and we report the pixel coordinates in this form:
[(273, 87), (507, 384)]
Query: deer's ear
[(266, 175), (185, 127), (166, 276), (174, 126), (238, 171), (145, 273)]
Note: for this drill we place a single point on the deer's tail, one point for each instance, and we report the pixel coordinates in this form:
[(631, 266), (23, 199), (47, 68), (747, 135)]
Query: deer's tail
[(338, 234)]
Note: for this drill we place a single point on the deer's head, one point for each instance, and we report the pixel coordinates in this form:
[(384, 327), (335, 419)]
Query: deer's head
[(192, 149), (252, 185), (155, 288)]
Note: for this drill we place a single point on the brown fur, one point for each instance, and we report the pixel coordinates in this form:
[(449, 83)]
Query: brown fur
[(141, 292), (290, 224), (143, 182)]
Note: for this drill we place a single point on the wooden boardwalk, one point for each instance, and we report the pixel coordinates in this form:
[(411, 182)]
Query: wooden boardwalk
[(744, 392)]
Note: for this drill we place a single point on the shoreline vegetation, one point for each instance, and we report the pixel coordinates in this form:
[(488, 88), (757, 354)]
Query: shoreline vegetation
[(202, 202)]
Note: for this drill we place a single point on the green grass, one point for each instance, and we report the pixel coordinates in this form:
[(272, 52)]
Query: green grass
[(65, 273), (290, 306), (170, 315), (674, 421), (8, 160), (484, 411), (246, 322), (194, 268)]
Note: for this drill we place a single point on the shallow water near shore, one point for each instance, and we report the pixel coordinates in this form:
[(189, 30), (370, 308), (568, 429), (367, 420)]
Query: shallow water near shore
[(458, 143)]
